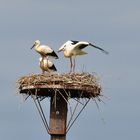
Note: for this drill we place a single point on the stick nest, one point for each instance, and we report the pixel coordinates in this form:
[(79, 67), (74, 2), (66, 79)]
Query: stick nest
[(73, 83)]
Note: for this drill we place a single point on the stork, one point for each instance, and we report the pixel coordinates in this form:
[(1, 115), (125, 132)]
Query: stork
[(44, 50), (73, 48), (46, 65)]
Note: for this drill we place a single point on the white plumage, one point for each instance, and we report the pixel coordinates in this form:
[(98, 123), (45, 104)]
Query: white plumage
[(73, 48), (46, 65), (44, 50)]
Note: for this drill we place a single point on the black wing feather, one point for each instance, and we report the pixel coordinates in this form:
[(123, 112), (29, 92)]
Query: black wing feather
[(74, 42), (53, 54), (81, 46), (53, 68), (104, 51)]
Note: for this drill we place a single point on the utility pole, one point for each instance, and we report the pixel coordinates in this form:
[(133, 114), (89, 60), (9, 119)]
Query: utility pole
[(58, 118)]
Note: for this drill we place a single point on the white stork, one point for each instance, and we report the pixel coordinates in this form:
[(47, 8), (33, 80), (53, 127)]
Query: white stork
[(73, 48), (46, 65), (44, 50)]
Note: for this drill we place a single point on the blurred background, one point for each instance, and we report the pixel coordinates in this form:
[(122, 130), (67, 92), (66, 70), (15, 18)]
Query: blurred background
[(111, 25)]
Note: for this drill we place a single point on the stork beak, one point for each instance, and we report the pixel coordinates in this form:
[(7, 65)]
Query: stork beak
[(33, 46), (60, 50)]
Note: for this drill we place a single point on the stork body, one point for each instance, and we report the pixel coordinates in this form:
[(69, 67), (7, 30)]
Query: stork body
[(73, 48), (44, 50), (46, 65)]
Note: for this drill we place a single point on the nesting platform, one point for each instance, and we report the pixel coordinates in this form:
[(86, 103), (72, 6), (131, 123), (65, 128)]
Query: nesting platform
[(60, 88), (72, 85)]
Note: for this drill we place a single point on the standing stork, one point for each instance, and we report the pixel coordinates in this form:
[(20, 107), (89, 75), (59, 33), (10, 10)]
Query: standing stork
[(44, 50), (73, 48), (46, 65)]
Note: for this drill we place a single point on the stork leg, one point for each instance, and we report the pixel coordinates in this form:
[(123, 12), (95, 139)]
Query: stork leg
[(74, 64), (71, 65)]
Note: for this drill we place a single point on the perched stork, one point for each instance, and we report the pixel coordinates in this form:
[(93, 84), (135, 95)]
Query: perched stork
[(46, 65), (43, 50), (73, 48)]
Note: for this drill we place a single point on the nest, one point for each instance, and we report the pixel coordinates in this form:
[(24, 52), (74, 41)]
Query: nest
[(73, 85)]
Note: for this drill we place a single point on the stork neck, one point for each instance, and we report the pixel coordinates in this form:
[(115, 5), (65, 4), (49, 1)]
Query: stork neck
[(37, 45)]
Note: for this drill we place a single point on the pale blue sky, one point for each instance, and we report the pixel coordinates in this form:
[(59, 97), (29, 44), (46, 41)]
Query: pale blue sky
[(112, 25)]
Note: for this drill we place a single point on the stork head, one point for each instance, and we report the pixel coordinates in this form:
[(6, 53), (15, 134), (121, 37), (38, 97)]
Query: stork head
[(63, 47), (37, 42)]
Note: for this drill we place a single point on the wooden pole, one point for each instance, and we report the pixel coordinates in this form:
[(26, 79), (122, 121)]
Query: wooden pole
[(58, 117), (58, 137)]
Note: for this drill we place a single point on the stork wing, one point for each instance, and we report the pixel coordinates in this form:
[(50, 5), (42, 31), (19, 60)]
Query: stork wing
[(80, 44), (74, 42), (53, 68), (53, 54), (49, 51), (104, 51)]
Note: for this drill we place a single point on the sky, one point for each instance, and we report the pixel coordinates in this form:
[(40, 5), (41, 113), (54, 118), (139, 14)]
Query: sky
[(112, 25)]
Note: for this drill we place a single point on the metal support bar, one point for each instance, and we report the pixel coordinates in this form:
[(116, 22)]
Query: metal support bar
[(43, 115), (40, 113), (77, 116), (72, 114)]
